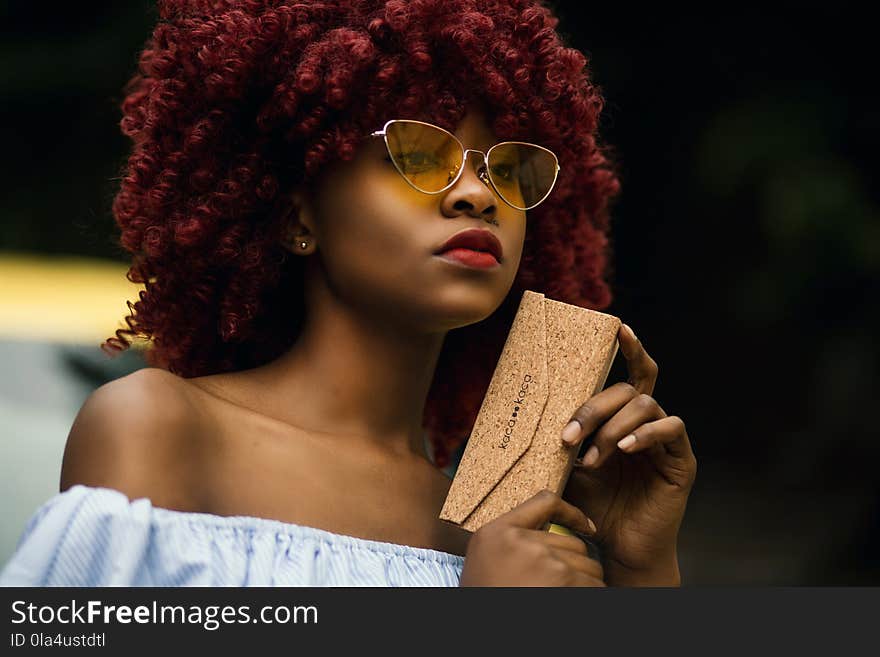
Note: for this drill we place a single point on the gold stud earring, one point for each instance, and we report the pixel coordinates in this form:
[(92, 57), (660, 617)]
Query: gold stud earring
[(303, 245)]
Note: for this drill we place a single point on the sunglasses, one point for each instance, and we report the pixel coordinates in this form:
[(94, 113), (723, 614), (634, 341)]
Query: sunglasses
[(432, 159)]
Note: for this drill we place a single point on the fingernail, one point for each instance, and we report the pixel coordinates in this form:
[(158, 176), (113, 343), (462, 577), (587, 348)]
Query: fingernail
[(571, 432), (592, 526), (631, 332), (591, 455), (627, 442)]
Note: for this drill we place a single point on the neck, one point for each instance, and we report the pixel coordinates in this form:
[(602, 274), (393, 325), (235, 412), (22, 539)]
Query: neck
[(355, 376)]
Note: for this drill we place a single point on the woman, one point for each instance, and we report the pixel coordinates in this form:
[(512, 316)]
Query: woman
[(319, 352)]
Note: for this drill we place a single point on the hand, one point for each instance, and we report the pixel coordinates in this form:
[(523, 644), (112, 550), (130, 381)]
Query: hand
[(515, 549), (636, 489)]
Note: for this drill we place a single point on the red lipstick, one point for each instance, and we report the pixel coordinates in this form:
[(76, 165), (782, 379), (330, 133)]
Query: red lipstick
[(473, 247)]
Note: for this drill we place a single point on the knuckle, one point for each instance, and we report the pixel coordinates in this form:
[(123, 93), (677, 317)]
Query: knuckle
[(653, 367), (510, 535), (538, 553), (558, 569), (504, 539), (678, 422), (646, 401), (629, 388), (584, 413), (547, 494), (544, 553)]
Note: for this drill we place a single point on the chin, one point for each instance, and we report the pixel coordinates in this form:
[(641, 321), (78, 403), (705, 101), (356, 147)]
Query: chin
[(463, 309)]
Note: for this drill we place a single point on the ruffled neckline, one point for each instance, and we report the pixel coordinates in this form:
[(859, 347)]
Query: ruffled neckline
[(257, 523)]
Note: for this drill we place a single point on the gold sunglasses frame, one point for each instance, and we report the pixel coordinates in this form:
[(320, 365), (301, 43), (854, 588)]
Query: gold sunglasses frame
[(482, 173)]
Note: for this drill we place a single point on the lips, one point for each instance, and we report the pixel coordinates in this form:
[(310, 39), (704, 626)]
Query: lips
[(474, 239)]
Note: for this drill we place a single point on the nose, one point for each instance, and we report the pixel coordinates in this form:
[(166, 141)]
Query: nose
[(471, 194)]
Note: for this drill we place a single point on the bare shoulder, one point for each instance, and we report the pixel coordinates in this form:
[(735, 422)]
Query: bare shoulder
[(129, 434)]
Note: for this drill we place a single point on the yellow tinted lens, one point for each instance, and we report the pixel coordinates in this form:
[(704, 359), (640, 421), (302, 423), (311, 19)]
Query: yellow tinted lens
[(428, 157), (522, 173)]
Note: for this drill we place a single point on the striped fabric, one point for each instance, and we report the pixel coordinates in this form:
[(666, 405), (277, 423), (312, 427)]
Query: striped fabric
[(89, 536)]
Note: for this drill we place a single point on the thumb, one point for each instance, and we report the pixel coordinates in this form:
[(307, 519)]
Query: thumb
[(545, 507)]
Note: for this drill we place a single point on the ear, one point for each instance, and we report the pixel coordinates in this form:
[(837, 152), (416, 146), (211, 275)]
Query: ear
[(297, 221)]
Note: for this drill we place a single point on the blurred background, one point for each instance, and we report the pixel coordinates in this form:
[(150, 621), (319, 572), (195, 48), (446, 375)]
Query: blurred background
[(747, 259)]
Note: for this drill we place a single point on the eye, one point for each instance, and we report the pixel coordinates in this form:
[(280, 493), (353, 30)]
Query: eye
[(416, 161), (503, 171)]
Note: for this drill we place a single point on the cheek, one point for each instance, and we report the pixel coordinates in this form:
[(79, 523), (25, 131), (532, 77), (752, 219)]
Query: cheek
[(374, 217), (370, 240)]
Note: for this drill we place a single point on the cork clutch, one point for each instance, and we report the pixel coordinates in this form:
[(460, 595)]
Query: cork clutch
[(556, 356)]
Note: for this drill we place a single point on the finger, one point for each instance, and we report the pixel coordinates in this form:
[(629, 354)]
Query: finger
[(560, 541), (580, 563), (639, 410), (670, 432), (641, 367), (596, 410), (544, 507)]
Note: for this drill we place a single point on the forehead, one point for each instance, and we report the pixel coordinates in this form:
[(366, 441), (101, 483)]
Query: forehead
[(475, 129)]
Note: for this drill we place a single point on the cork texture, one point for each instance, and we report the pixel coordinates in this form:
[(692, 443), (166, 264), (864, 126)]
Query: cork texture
[(555, 358)]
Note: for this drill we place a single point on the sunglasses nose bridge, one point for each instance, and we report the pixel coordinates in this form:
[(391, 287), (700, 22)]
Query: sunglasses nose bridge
[(481, 169), (468, 151)]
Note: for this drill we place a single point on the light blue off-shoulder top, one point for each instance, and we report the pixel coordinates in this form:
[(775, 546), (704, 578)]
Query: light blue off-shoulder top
[(92, 536)]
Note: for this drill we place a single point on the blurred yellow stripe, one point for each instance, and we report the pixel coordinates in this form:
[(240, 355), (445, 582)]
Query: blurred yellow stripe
[(62, 299)]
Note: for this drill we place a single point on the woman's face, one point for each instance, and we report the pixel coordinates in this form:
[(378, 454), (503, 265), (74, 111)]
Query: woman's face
[(374, 238)]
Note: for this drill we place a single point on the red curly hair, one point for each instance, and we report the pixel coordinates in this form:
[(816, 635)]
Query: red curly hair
[(235, 101)]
